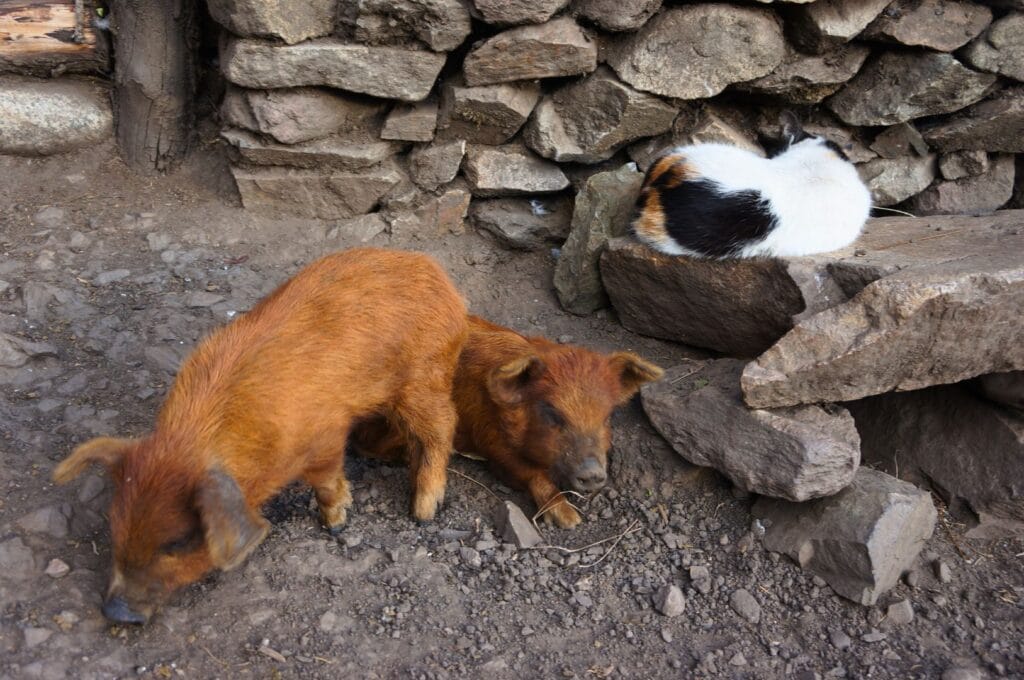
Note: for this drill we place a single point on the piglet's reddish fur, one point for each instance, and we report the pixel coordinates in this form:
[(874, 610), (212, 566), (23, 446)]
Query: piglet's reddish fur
[(538, 411), (270, 399)]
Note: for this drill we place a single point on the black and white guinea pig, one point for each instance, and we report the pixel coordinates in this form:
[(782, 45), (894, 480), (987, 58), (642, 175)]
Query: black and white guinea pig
[(719, 201)]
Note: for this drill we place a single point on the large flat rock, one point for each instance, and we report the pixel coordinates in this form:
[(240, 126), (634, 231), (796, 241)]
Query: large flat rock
[(331, 152), (996, 124), (299, 114), (589, 120), (825, 24), (696, 51), (860, 540), (387, 72), (795, 453), (440, 25), (738, 307), (742, 307), (617, 15), (808, 78), (510, 170), (942, 25), (932, 322), (291, 22), (488, 114), (901, 86), (524, 223), (550, 50), (514, 12), (967, 449), (43, 117), (322, 192)]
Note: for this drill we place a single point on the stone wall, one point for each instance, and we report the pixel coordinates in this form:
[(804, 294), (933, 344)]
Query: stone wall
[(345, 107)]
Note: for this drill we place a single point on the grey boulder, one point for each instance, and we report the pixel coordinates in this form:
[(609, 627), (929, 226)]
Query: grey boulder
[(696, 51), (44, 117), (793, 453), (588, 121), (861, 540), (901, 86), (602, 211)]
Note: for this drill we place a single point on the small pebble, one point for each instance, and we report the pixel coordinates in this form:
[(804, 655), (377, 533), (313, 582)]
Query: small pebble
[(943, 572), (57, 568), (669, 601), (36, 636), (470, 557), (66, 620), (873, 636), (900, 613), (738, 659), (744, 604), (839, 639)]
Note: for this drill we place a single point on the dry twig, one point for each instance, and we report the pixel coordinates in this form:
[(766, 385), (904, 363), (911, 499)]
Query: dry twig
[(220, 661), (629, 530), (480, 484), (686, 375), (551, 502)]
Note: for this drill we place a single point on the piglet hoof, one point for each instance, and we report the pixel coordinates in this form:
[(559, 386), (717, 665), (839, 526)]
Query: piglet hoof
[(334, 519), (425, 505), (562, 515)]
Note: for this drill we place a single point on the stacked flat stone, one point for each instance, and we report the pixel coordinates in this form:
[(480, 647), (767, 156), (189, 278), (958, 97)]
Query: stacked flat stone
[(926, 96)]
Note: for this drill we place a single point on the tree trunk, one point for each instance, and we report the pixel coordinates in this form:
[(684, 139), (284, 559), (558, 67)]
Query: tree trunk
[(155, 45)]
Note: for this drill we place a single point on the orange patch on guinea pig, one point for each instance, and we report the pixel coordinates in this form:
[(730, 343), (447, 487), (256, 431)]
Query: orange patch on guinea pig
[(650, 225), (660, 167), (669, 171)]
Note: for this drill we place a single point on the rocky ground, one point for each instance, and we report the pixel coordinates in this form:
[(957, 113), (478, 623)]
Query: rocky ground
[(107, 280)]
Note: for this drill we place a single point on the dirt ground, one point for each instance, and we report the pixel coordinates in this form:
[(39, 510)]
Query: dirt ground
[(119, 276)]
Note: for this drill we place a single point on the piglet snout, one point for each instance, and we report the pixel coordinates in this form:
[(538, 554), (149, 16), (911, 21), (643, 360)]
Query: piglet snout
[(118, 611), (589, 475)]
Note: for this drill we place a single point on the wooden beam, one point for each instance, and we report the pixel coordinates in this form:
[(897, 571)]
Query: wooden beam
[(46, 38)]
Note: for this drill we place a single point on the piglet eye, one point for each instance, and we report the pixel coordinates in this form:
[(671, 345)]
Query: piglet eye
[(182, 544), (551, 415)]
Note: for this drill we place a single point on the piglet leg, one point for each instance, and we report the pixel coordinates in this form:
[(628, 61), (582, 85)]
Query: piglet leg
[(429, 420), (333, 496), (556, 508)]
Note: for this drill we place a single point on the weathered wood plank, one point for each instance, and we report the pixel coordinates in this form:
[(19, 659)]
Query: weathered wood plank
[(43, 37)]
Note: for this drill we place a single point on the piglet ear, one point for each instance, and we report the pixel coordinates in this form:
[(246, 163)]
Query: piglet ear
[(792, 130), (633, 373), (105, 450), (507, 384), (231, 527)]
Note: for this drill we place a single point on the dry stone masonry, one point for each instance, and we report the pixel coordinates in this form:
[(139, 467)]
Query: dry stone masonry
[(536, 92)]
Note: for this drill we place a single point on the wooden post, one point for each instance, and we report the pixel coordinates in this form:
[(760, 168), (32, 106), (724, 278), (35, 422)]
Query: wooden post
[(155, 45)]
